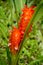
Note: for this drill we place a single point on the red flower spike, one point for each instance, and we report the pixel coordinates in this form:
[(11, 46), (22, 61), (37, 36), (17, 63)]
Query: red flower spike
[(14, 41), (25, 19), (18, 34)]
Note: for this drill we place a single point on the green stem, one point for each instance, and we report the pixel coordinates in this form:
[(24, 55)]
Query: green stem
[(8, 55)]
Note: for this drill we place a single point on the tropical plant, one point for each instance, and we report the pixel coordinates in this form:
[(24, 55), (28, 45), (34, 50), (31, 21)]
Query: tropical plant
[(31, 46)]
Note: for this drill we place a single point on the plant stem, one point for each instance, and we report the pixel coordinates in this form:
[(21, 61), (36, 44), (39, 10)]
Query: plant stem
[(8, 55)]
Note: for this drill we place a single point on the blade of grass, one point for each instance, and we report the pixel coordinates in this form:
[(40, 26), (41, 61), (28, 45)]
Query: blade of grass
[(4, 34), (17, 14), (4, 28), (4, 31)]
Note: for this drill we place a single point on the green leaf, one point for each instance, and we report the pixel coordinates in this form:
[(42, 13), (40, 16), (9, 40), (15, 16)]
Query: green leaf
[(39, 13), (30, 3), (22, 3), (19, 5), (12, 8)]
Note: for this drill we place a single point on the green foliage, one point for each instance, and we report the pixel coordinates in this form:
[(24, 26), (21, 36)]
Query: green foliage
[(31, 49)]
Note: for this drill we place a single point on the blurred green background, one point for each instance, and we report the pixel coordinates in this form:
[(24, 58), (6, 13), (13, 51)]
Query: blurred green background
[(32, 51)]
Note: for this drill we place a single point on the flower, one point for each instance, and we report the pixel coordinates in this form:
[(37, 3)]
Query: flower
[(25, 19), (14, 40)]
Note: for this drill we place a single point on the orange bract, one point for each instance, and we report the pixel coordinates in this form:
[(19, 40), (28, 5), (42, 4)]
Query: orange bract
[(14, 40), (25, 19)]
